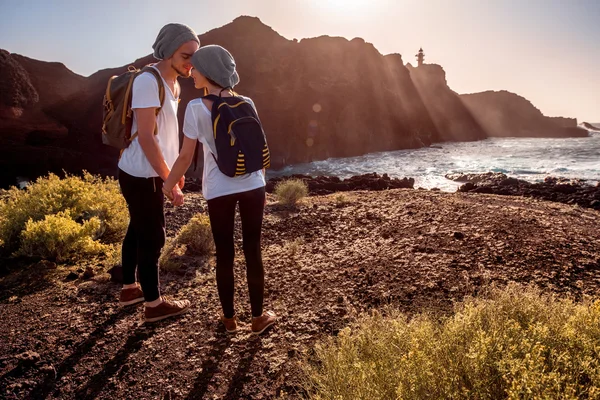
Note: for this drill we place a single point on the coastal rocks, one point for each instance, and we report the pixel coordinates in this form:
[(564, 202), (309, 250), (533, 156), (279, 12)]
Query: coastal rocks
[(563, 190), (322, 185)]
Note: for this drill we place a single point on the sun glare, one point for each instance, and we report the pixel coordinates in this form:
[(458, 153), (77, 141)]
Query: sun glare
[(342, 8)]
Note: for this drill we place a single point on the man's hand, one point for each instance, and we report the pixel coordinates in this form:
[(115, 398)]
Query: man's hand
[(175, 195), (181, 182)]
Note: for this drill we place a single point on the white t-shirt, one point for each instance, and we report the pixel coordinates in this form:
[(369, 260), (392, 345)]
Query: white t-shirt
[(197, 125), (145, 95)]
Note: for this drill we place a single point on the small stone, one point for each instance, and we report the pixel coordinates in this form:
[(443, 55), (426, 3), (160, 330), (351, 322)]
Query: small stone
[(28, 357), (71, 277), (466, 187), (45, 264), (47, 369), (89, 273), (459, 235)]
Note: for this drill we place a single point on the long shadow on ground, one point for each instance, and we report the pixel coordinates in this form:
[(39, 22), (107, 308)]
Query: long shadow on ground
[(96, 383), (44, 388), (208, 368)]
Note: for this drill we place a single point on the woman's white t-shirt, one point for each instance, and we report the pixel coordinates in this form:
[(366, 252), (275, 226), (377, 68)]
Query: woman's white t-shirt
[(197, 125), (145, 95)]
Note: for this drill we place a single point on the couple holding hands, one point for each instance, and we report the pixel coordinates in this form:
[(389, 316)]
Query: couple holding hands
[(153, 167)]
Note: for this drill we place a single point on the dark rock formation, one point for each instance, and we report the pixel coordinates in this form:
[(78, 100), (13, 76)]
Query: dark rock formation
[(326, 184), (553, 189), (32, 143), (452, 119), (318, 98), (507, 114), (16, 89)]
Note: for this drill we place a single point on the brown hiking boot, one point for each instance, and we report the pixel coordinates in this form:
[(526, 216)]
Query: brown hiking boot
[(131, 296), (230, 323), (168, 308), (260, 324)]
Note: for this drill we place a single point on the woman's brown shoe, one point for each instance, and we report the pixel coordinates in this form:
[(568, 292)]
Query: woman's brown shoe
[(230, 323), (260, 324)]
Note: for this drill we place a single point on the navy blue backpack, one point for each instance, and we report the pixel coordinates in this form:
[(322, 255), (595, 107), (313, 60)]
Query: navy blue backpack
[(239, 137)]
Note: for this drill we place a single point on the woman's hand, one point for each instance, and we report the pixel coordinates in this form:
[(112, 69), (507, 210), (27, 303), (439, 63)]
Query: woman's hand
[(175, 195)]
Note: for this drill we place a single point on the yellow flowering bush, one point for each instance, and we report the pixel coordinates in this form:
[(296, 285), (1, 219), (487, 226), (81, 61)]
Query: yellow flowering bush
[(54, 211), (516, 344)]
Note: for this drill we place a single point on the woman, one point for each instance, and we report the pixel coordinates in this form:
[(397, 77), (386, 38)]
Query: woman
[(214, 72)]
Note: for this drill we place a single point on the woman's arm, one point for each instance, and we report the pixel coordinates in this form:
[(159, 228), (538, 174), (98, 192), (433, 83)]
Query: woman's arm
[(181, 165)]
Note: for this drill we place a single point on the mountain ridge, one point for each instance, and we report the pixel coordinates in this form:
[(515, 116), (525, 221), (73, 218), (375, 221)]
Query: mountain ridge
[(317, 97)]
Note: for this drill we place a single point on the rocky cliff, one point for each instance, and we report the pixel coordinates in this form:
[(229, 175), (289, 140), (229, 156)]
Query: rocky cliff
[(318, 98), (452, 119), (505, 114)]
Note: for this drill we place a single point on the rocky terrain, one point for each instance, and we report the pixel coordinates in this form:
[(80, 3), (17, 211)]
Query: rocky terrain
[(570, 191), (329, 258)]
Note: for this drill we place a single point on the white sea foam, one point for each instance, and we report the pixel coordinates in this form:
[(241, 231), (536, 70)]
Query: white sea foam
[(531, 159)]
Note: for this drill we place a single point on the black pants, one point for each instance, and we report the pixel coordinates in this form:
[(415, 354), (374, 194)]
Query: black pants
[(146, 232), (221, 211)]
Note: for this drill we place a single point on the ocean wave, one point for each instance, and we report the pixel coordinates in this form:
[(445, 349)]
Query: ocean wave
[(529, 159)]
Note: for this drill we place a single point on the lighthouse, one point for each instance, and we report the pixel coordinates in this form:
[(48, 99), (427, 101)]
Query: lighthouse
[(420, 57)]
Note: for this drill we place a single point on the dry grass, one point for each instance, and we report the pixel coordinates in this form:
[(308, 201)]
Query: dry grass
[(193, 240), (516, 344), (291, 191)]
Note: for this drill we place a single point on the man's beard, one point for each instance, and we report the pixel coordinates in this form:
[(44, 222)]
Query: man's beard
[(183, 74)]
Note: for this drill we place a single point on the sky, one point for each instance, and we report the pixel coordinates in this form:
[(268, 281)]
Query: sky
[(547, 51)]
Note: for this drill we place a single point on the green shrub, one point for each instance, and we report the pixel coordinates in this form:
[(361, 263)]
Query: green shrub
[(60, 238), (518, 344), (196, 235), (82, 199), (290, 191), (194, 239)]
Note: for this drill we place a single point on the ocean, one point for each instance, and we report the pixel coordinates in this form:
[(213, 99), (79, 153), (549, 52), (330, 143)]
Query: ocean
[(530, 159)]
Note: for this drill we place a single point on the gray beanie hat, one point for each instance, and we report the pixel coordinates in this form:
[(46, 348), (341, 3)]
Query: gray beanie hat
[(170, 37), (217, 64)]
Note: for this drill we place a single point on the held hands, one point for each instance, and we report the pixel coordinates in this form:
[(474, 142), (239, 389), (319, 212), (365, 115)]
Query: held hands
[(175, 195)]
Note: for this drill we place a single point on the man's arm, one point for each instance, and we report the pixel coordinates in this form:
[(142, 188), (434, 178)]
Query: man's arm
[(170, 187), (146, 120)]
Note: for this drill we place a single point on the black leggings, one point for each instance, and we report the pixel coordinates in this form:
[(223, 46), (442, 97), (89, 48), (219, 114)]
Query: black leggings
[(146, 232), (221, 211)]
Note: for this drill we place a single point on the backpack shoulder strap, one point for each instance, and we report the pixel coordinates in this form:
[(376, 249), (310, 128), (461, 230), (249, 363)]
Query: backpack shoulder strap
[(161, 93), (161, 85), (212, 97)]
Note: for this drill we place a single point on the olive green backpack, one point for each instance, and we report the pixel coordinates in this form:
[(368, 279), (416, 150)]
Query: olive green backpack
[(117, 115)]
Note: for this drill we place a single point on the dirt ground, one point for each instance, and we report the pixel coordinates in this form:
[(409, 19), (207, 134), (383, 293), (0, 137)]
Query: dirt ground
[(327, 260)]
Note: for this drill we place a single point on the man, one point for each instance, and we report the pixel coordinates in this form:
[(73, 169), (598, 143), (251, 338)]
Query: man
[(146, 163)]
